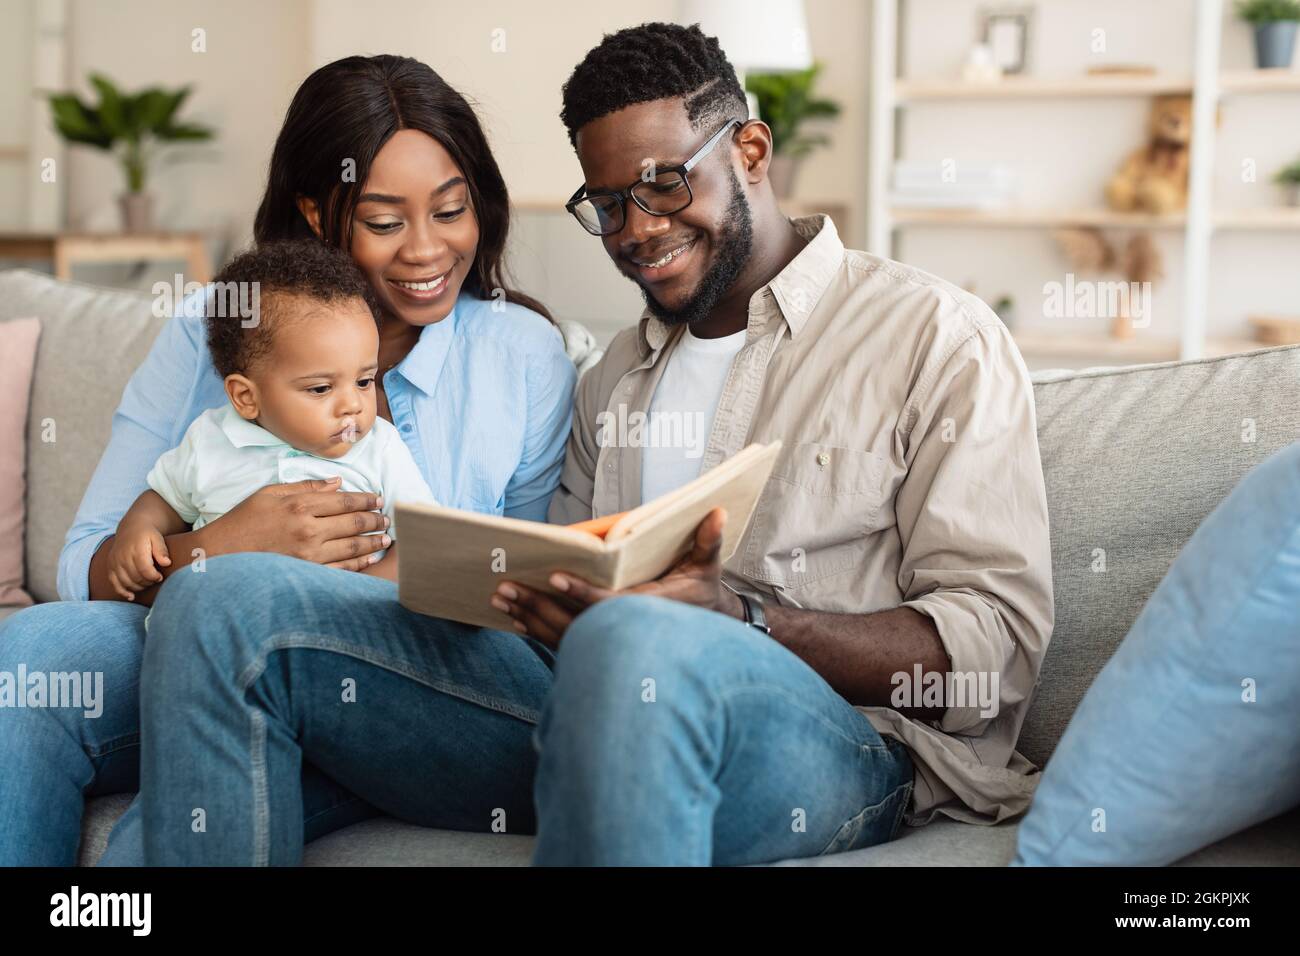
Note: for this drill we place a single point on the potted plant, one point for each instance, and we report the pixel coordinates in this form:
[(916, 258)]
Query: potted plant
[(785, 101), (1288, 177), (1275, 23), (130, 125)]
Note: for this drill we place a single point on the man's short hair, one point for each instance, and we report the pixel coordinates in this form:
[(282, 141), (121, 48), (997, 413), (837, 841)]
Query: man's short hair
[(651, 62), (302, 267)]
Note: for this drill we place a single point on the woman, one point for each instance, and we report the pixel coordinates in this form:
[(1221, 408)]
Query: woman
[(381, 157)]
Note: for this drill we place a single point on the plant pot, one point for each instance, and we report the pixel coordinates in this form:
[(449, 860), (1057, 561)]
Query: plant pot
[(137, 212), (1292, 191), (1275, 44), (781, 173)]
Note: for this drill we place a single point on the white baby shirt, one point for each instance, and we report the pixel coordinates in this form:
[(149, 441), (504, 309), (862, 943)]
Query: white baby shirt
[(223, 459)]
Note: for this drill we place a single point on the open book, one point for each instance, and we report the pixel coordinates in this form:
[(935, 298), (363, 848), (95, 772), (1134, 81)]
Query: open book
[(452, 561)]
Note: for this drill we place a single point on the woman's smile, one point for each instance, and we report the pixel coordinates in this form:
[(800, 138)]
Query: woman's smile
[(422, 290)]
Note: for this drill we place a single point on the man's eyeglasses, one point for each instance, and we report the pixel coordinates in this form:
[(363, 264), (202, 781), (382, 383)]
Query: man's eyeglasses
[(603, 212)]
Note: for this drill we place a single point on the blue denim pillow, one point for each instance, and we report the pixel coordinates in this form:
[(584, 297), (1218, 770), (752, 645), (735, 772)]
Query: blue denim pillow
[(1192, 730)]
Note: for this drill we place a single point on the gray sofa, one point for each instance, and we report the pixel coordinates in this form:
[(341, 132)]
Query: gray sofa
[(1134, 458)]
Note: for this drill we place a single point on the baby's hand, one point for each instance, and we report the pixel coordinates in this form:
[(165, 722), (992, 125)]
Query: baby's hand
[(131, 560)]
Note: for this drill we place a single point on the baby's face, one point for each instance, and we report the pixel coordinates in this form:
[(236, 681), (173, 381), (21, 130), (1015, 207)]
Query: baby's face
[(316, 388)]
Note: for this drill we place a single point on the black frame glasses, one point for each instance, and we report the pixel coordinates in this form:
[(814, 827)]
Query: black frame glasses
[(615, 216)]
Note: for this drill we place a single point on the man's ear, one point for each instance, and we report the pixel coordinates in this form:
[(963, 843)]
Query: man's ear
[(243, 395), (755, 142), (311, 212)]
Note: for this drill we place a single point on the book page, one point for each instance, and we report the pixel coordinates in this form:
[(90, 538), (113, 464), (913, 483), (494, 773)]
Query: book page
[(451, 561), (652, 543)]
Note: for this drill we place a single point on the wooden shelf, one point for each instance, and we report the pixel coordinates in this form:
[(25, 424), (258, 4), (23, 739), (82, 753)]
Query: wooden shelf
[(1136, 350), (1034, 218), (1273, 217), (1267, 218), (1028, 87), (1015, 87), (1260, 81)]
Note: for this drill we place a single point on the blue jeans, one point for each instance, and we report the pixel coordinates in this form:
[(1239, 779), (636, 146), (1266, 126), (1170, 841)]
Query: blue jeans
[(53, 758), (737, 752)]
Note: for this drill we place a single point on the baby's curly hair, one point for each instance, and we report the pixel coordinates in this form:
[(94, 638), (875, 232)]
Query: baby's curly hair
[(651, 62), (301, 267)]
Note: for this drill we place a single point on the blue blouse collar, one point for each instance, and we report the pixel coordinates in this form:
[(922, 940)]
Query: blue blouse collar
[(423, 364)]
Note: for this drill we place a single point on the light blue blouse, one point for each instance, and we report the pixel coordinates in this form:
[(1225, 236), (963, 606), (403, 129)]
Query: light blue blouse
[(483, 401)]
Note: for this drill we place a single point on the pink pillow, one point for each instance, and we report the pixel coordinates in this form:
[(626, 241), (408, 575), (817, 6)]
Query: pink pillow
[(17, 360)]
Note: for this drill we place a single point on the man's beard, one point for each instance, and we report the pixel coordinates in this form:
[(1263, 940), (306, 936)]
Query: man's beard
[(737, 232)]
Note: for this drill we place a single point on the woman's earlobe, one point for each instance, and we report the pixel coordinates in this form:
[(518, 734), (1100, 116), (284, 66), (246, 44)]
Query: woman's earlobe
[(311, 212)]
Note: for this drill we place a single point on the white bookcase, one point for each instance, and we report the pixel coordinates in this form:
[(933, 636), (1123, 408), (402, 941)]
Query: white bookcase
[(890, 96)]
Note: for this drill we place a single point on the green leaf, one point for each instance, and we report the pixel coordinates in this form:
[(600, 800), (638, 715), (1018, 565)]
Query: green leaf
[(1289, 175), (1268, 11), (158, 107), (77, 122), (112, 110), (184, 132), (153, 109), (785, 101)]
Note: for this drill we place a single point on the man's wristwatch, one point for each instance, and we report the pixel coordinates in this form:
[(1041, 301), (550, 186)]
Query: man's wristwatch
[(753, 609)]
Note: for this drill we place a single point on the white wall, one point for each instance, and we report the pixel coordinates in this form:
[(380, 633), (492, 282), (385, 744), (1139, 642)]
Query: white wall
[(16, 173), (256, 56), (1065, 150)]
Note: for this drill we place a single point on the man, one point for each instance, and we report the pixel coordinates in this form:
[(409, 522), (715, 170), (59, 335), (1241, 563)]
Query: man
[(868, 653)]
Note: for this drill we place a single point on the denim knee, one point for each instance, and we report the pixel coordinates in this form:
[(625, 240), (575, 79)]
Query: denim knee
[(644, 644), (43, 636), (629, 632), (197, 615)]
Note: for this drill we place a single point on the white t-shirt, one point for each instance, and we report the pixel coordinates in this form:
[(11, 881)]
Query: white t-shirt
[(224, 458), (682, 409)]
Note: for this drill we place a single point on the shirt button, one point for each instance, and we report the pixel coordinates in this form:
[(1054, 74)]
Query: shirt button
[(823, 459), (406, 427)]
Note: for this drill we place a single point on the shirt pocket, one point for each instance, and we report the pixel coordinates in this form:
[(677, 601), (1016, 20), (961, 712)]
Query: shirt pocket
[(815, 516)]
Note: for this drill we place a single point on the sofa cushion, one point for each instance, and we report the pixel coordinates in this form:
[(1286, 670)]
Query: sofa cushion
[(18, 342), (91, 341), (386, 842), (1192, 730), (1134, 459)]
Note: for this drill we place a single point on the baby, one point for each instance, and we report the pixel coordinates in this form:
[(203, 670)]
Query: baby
[(300, 378)]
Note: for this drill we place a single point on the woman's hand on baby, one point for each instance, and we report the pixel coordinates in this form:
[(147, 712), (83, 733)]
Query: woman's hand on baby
[(133, 559), (310, 519)]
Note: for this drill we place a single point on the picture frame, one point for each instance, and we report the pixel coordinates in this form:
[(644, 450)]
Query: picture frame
[(1006, 31)]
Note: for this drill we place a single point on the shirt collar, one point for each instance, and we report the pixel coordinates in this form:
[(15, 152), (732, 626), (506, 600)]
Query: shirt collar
[(423, 364), (796, 289), (242, 432)]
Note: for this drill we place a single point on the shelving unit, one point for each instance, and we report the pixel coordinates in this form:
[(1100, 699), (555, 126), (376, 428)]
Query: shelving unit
[(890, 96), (1016, 88), (1271, 218), (1013, 217), (1259, 81)]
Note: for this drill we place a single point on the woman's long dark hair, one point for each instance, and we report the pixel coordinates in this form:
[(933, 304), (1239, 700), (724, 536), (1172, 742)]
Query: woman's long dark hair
[(347, 110)]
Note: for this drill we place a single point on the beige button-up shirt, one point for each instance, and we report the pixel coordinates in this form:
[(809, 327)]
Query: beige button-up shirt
[(909, 475)]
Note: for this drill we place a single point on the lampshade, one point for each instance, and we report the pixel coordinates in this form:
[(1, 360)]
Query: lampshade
[(758, 36)]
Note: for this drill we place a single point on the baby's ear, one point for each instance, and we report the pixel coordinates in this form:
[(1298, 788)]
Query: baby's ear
[(243, 395)]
